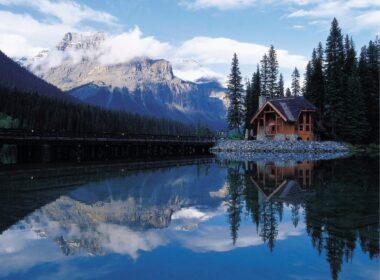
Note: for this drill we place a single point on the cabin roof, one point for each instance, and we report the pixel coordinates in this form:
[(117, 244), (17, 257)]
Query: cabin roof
[(289, 108)]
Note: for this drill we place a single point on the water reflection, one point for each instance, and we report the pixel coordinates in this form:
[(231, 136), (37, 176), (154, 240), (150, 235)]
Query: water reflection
[(207, 208)]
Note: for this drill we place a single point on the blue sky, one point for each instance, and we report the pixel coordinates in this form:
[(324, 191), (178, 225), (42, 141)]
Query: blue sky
[(208, 31)]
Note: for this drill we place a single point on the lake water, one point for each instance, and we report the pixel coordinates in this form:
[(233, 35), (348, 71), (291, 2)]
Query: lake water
[(211, 220)]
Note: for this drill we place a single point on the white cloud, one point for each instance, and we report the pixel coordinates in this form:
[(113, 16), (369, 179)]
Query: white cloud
[(298, 26), (208, 50), (191, 70), (219, 4), (355, 15), (122, 240), (128, 45), (68, 12), (370, 20), (26, 35)]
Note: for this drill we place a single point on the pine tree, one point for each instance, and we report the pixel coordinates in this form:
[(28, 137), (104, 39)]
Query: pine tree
[(354, 126), (280, 88), (252, 96), (272, 72), (256, 88), (288, 92), (318, 80), (369, 79), (256, 91), (235, 90), (296, 89), (334, 109), (264, 76), (306, 88), (248, 103)]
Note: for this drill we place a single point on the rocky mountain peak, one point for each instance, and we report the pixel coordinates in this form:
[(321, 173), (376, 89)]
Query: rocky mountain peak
[(140, 85), (77, 41)]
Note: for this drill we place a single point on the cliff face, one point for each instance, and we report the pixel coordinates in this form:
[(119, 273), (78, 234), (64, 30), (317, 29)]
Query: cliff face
[(141, 85)]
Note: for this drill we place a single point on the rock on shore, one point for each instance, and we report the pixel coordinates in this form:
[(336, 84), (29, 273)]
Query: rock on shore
[(279, 146)]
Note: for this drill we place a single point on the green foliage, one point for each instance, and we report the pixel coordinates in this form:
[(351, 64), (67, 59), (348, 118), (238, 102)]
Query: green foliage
[(273, 72), (8, 122), (314, 86), (235, 136), (345, 91), (288, 93), (235, 91), (269, 74), (368, 70), (252, 97), (296, 88), (280, 88), (32, 111), (264, 75), (334, 109)]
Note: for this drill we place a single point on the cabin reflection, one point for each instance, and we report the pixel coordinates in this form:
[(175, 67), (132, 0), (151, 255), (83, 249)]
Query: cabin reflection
[(281, 182)]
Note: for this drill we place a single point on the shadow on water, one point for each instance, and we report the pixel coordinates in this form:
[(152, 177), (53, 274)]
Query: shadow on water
[(89, 209)]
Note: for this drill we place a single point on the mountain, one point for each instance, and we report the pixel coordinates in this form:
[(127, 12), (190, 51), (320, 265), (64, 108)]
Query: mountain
[(85, 219), (140, 85), (12, 75)]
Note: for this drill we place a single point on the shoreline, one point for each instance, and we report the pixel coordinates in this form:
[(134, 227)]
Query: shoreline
[(272, 146)]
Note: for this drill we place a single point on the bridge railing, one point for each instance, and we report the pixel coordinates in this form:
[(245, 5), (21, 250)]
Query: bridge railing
[(31, 133)]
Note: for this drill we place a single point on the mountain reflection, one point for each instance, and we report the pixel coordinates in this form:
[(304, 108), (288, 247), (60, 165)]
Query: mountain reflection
[(334, 202)]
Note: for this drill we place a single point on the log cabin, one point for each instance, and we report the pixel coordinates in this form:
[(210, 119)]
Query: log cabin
[(285, 118)]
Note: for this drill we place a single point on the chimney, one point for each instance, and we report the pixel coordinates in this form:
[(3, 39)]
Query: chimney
[(262, 100)]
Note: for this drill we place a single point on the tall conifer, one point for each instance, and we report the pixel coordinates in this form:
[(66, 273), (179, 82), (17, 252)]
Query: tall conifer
[(264, 76), (272, 72), (280, 88), (235, 90), (334, 111), (296, 88)]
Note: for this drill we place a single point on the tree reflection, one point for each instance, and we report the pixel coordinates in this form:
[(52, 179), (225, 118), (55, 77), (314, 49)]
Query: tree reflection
[(269, 224), (337, 200), (235, 187)]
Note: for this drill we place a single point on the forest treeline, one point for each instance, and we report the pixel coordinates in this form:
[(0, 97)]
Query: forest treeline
[(33, 111), (341, 84)]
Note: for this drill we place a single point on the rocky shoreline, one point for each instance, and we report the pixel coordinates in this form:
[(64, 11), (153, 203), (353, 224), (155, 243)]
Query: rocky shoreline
[(278, 151), (309, 147), (278, 158)]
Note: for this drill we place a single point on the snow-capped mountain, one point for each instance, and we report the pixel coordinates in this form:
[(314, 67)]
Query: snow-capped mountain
[(140, 85)]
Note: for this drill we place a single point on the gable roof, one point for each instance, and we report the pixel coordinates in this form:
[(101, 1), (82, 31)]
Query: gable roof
[(289, 108), (292, 107)]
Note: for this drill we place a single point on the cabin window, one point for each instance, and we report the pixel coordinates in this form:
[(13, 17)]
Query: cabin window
[(273, 128), (301, 127)]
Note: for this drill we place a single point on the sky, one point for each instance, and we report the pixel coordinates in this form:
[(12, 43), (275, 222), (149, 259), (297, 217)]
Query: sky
[(207, 31)]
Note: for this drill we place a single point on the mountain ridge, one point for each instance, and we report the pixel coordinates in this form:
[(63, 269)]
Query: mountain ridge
[(141, 85), (12, 75)]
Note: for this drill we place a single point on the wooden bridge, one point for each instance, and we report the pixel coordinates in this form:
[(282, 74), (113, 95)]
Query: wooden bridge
[(45, 146)]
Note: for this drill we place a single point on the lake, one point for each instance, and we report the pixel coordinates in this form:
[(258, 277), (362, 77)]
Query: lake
[(201, 219)]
